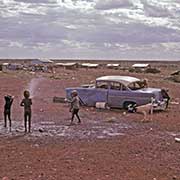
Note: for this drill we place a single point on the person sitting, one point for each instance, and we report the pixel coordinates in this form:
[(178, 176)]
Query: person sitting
[(144, 83)]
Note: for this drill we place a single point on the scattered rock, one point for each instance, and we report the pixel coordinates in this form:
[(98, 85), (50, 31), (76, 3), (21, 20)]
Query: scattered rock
[(41, 130), (111, 120), (5, 178), (59, 100), (82, 159), (177, 140), (19, 130), (36, 145)]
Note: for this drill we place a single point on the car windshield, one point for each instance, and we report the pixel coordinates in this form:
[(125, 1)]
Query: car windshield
[(136, 85)]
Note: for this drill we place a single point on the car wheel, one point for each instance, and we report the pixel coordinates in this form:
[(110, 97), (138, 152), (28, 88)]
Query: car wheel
[(127, 103)]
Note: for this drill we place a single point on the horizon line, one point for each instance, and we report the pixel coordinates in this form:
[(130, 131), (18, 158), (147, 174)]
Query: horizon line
[(77, 59)]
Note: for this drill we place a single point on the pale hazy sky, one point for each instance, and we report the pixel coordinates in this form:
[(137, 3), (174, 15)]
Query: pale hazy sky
[(90, 29)]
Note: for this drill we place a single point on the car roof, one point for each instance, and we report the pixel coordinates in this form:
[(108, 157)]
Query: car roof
[(121, 79)]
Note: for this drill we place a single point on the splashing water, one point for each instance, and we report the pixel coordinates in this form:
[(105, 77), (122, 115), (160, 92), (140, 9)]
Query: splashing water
[(33, 86)]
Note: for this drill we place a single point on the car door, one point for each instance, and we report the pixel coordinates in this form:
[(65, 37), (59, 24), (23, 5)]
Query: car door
[(117, 94), (101, 91), (90, 96)]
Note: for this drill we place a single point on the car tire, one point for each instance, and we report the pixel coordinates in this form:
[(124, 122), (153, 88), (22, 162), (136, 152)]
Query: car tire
[(127, 103)]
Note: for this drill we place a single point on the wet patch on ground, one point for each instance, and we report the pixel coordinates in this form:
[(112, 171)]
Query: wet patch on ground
[(85, 130), (89, 130)]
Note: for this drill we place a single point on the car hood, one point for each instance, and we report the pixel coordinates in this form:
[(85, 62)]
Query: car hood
[(155, 91), (150, 90)]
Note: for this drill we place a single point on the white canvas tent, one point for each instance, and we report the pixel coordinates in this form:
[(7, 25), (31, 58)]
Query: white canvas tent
[(67, 65), (89, 65), (140, 65), (112, 65)]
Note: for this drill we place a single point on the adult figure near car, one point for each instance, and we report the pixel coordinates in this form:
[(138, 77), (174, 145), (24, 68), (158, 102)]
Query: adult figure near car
[(144, 83), (165, 96)]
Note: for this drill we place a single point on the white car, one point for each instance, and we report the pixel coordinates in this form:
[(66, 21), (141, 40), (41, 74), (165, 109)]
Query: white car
[(117, 92)]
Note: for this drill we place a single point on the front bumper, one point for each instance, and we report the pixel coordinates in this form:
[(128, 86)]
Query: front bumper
[(160, 105)]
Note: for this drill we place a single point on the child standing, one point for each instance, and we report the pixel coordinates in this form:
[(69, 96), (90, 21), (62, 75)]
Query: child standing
[(75, 105), (7, 110), (26, 103)]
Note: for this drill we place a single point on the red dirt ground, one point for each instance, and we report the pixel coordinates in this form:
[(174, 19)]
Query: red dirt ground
[(106, 146)]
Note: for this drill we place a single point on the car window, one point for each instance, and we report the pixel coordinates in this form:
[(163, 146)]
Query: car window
[(115, 86), (123, 88), (102, 85), (135, 86)]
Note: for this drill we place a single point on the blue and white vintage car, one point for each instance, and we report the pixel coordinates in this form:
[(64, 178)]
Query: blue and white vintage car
[(117, 92)]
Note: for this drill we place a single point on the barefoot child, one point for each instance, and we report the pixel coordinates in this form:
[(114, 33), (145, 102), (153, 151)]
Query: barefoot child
[(7, 110), (75, 105), (26, 103)]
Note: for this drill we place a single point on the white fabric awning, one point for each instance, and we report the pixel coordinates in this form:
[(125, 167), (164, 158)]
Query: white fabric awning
[(140, 65)]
